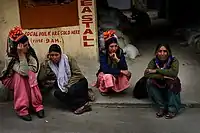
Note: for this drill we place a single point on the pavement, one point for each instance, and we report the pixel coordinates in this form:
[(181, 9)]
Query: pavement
[(100, 120)]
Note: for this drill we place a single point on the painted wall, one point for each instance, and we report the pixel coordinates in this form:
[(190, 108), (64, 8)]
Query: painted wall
[(78, 41)]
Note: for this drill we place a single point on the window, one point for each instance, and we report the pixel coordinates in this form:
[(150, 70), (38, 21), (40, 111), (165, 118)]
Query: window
[(48, 13)]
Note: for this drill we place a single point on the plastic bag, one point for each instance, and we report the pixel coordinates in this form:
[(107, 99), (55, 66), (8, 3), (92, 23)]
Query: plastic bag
[(131, 51)]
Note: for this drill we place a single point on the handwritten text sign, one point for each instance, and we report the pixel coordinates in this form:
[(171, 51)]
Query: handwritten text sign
[(49, 36)]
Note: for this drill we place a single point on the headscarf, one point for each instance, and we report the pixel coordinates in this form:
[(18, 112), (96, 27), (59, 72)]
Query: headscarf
[(63, 70), (55, 48), (15, 37), (167, 63)]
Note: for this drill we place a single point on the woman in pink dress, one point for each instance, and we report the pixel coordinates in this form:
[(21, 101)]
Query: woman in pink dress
[(19, 75), (113, 74)]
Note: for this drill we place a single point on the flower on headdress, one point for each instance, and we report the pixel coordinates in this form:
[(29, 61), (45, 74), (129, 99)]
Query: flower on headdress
[(15, 33), (108, 34)]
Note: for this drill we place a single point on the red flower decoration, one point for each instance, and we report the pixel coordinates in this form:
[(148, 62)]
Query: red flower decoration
[(15, 32), (108, 34)]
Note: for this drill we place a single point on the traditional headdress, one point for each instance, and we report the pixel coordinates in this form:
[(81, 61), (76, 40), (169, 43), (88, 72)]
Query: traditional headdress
[(109, 34), (109, 37), (16, 34), (15, 37)]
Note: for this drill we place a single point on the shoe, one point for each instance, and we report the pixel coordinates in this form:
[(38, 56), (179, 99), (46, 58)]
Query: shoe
[(160, 113), (26, 117), (40, 114), (170, 115)]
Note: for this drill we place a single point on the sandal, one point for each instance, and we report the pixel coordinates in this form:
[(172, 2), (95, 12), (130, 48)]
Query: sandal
[(160, 113), (170, 115), (83, 109), (91, 95)]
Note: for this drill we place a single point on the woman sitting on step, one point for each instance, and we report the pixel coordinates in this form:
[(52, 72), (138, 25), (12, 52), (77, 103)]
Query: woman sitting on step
[(61, 75), (163, 84), (113, 74), (19, 75)]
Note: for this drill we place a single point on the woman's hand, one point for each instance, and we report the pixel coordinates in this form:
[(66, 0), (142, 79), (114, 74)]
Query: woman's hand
[(21, 50), (125, 72), (114, 57), (146, 71), (150, 71), (47, 57)]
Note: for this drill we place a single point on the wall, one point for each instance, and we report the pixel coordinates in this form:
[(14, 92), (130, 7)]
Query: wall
[(120, 4), (9, 17), (47, 15), (72, 39)]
